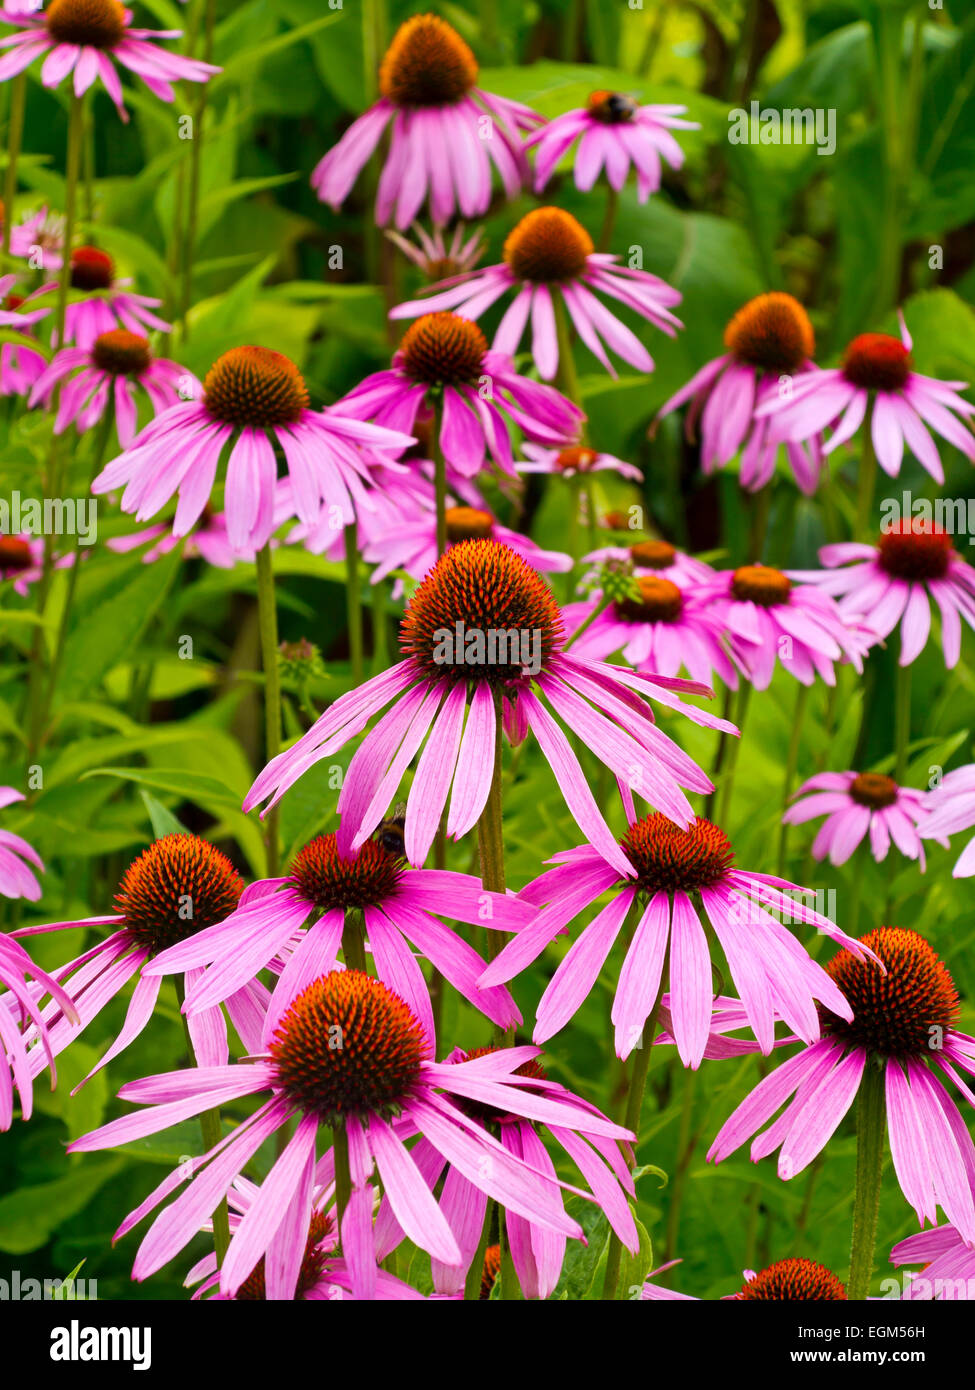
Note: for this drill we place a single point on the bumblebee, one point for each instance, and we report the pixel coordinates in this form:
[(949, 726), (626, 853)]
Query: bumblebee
[(612, 107), (391, 833)]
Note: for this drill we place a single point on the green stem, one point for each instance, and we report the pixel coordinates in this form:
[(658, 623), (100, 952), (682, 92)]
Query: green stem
[(566, 380), (380, 629), (609, 218), (894, 119), (72, 164), (727, 785), (490, 838), (719, 758), (353, 600), (902, 721), (196, 155), (759, 528), (354, 941), (472, 1284), (871, 1124), (15, 135), (866, 481), (792, 763), (268, 621), (343, 1175), (439, 484)]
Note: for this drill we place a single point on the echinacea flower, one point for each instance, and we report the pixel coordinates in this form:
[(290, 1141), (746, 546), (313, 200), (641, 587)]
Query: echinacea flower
[(616, 131), (877, 370), (301, 917), (442, 355), (793, 1280), (575, 461), (904, 1022), (857, 804), (951, 808), (769, 616), (769, 340), (40, 239), (379, 1086), (536, 1251), (438, 258), (178, 886), (16, 879), (22, 560), (207, 541), (107, 304), (104, 377), (446, 132), (413, 547), (894, 582), (655, 558), (483, 590), (252, 399), (947, 1265), (550, 253), (670, 874), (20, 365), (87, 38)]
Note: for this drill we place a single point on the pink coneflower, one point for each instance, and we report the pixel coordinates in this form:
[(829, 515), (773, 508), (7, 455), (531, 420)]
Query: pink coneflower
[(380, 1087), (16, 879), (87, 38), (794, 1280), (770, 338), (904, 1021), (877, 368), (951, 808), (104, 376), (856, 804), (22, 560), (894, 582), (252, 398), (441, 118), (207, 541), (413, 546), (20, 366), (40, 238), (948, 1265), (770, 616), (550, 252), (616, 132), (109, 305), (486, 588), (575, 461), (394, 498), (669, 871), (301, 918), (444, 353), (178, 886), (537, 1252), (654, 557), (438, 258), (664, 627)]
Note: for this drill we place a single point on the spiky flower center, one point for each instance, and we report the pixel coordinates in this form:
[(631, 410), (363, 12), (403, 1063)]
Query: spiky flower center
[(486, 588), (771, 332), (468, 524), (348, 1045), (904, 1013), (659, 602), (489, 1114), (653, 555), (15, 554), (877, 362), (873, 789), (760, 584), (548, 246), (915, 549), (91, 269), (793, 1280), (490, 1270), (577, 459), (254, 386), (177, 887), (329, 881), (313, 1262), (443, 349), (670, 860), (89, 23), (121, 353), (427, 64), (612, 108)]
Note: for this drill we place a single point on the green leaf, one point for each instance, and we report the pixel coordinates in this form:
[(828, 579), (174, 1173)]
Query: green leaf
[(163, 821), (31, 1215)]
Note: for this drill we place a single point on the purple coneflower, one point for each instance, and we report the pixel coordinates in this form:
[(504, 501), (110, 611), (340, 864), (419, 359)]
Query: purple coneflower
[(378, 1086), (616, 132), (104, 377), (16, 879), (669, 872), (877, 367), (768, 340), (208, 541), (20, 365), (481, 391), (22, 560), (904, 1023), (549, 253), (455, 666), (576, 460), (948, 1265), (794, 1280), (87, 38), (109, 304), (654, 557), (252, 398), (894, 582), (446, 132), (39, 238), (301, 918), (413, 546), (438, 258), (856, 804), (951, 808)]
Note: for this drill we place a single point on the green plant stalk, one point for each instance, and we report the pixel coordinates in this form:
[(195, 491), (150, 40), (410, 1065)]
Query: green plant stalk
[(472, 1284), (895, 123), (15, 135), (721, 754), (211, 1132), (343, 1176), (380, 629), (354, 941), (439, 482), (609, 219), (792, 763), (727, 786), (866, 481), (759, 527), (871, 1126), (353, 601), (196, 155), (268, 622), (902, 722), (76, 123), (566, 379)]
